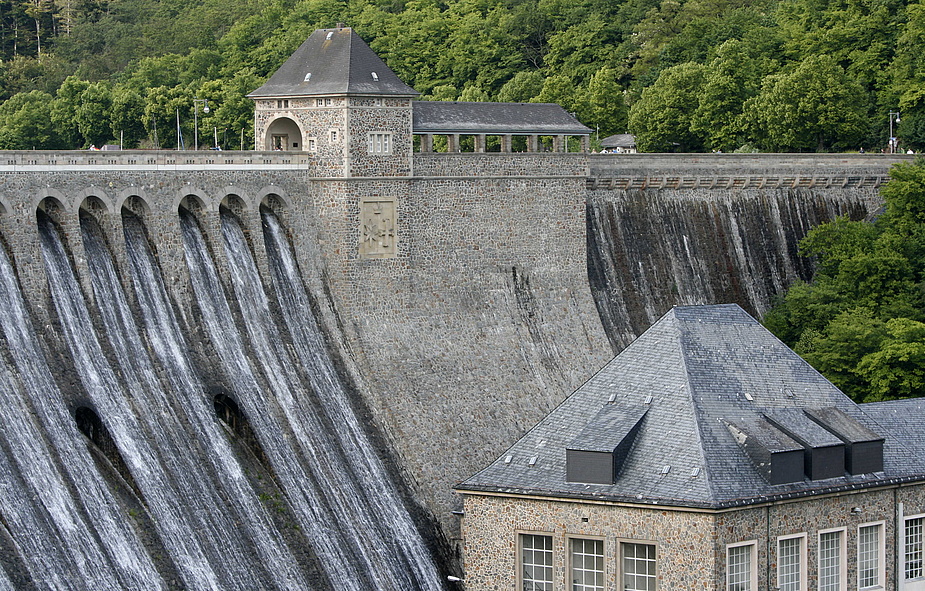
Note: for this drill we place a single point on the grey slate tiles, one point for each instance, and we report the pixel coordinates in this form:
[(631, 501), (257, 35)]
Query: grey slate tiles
[(704, 369)]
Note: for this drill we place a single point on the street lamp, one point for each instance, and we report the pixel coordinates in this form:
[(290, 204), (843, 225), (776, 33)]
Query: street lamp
[(894, 115), (205, 109)]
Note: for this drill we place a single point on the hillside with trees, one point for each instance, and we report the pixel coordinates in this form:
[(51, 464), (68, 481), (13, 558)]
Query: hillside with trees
[(684, 75), (861, 321)]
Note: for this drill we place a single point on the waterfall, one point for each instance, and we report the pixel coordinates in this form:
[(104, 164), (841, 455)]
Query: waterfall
[(316, 362), (64, 521), (327, 483)]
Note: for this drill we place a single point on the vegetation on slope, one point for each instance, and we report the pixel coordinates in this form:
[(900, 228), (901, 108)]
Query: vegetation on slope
[(861, 321), (681, 74)]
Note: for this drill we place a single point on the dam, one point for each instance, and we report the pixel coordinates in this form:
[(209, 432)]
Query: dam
[(211, 383), (268, 369)]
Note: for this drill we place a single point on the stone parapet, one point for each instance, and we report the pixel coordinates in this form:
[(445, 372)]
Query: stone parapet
[(489, 164)]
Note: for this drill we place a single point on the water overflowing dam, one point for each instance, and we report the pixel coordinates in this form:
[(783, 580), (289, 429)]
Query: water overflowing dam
[(206, 386)]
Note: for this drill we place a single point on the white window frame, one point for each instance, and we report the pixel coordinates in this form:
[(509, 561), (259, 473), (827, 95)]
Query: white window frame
[(881, 554), (334, 134), (379, 142), (311, 144), (546, 585), (752, 566), (921, 550), (801, 564), (842, 556), (621, 560), (572, 585)]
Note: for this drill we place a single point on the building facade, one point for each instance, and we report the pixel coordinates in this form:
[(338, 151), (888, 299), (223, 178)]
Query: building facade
[(707, 455)]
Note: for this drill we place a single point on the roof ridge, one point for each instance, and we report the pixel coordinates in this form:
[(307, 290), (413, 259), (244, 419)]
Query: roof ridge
[(696, 410)]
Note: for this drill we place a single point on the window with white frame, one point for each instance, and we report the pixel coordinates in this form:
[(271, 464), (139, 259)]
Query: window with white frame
[(870, 556), (638, 566), (791, 561), (587, 560), (335, 136), (536, 562), (742, 566), (832, 565), (380, 143), (913, 545)]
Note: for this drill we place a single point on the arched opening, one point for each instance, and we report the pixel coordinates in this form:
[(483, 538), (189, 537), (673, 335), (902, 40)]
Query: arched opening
[(233, 418), (52, 208), (283, 135), (193, 204), (137, 206), (94, 206), (90, 424), (234, 204)]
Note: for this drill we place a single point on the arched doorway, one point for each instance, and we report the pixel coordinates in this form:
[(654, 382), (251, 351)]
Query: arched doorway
[(283, 135)]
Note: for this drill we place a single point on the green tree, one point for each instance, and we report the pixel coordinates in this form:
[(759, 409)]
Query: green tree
[(860, 321), (813, 106), (730, 79), (662, 117), (25, 123)]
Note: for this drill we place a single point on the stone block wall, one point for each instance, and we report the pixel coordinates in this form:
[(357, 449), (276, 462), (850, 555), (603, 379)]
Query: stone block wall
[(391, 116), (491, 525), (691, 544)]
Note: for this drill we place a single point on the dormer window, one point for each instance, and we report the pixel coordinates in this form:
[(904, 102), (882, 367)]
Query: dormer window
[(375, 77), (308, 77)]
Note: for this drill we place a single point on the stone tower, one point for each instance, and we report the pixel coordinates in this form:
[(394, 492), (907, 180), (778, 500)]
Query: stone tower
[(334, 97)]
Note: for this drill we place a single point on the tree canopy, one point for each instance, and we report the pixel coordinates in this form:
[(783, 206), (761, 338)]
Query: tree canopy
[(802, 75), (861, 321)]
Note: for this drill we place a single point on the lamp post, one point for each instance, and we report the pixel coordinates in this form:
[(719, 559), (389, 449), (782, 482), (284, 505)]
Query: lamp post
[(894, 115), (205, 109)]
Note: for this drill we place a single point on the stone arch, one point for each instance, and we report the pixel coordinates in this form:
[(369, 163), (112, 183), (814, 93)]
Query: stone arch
[(52, 201), (283, 133), (53, 207), (274, 198), (101, 199), (135, 200), (239, 193), (93, 206), (235, 204), (193, 200), (136, 205)]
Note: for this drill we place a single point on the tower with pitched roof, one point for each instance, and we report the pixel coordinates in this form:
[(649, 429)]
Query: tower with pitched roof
[(335, 98)]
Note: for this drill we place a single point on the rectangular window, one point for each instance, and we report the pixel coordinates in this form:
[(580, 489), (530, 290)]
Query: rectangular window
[(319, 102), (638, 563), (870, 553), (334, 136), (831, 561), (536, 562), (742, 567), (790, 560), (380, 143), (587, 557), (914, 548), (312, 144)]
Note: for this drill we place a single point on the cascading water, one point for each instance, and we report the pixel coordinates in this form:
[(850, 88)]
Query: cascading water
[(64, 522), (182, 426), (319, 369), (333, 490)]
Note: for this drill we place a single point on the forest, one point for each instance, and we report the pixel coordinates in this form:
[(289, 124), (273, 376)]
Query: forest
[(683, 75)]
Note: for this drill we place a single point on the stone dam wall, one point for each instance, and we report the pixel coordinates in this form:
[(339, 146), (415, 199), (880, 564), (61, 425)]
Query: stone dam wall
[(516, 276)]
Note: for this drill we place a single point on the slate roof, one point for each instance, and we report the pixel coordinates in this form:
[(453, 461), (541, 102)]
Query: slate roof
[(339, 62), (494, 118), (620, 140), (705, 367)]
